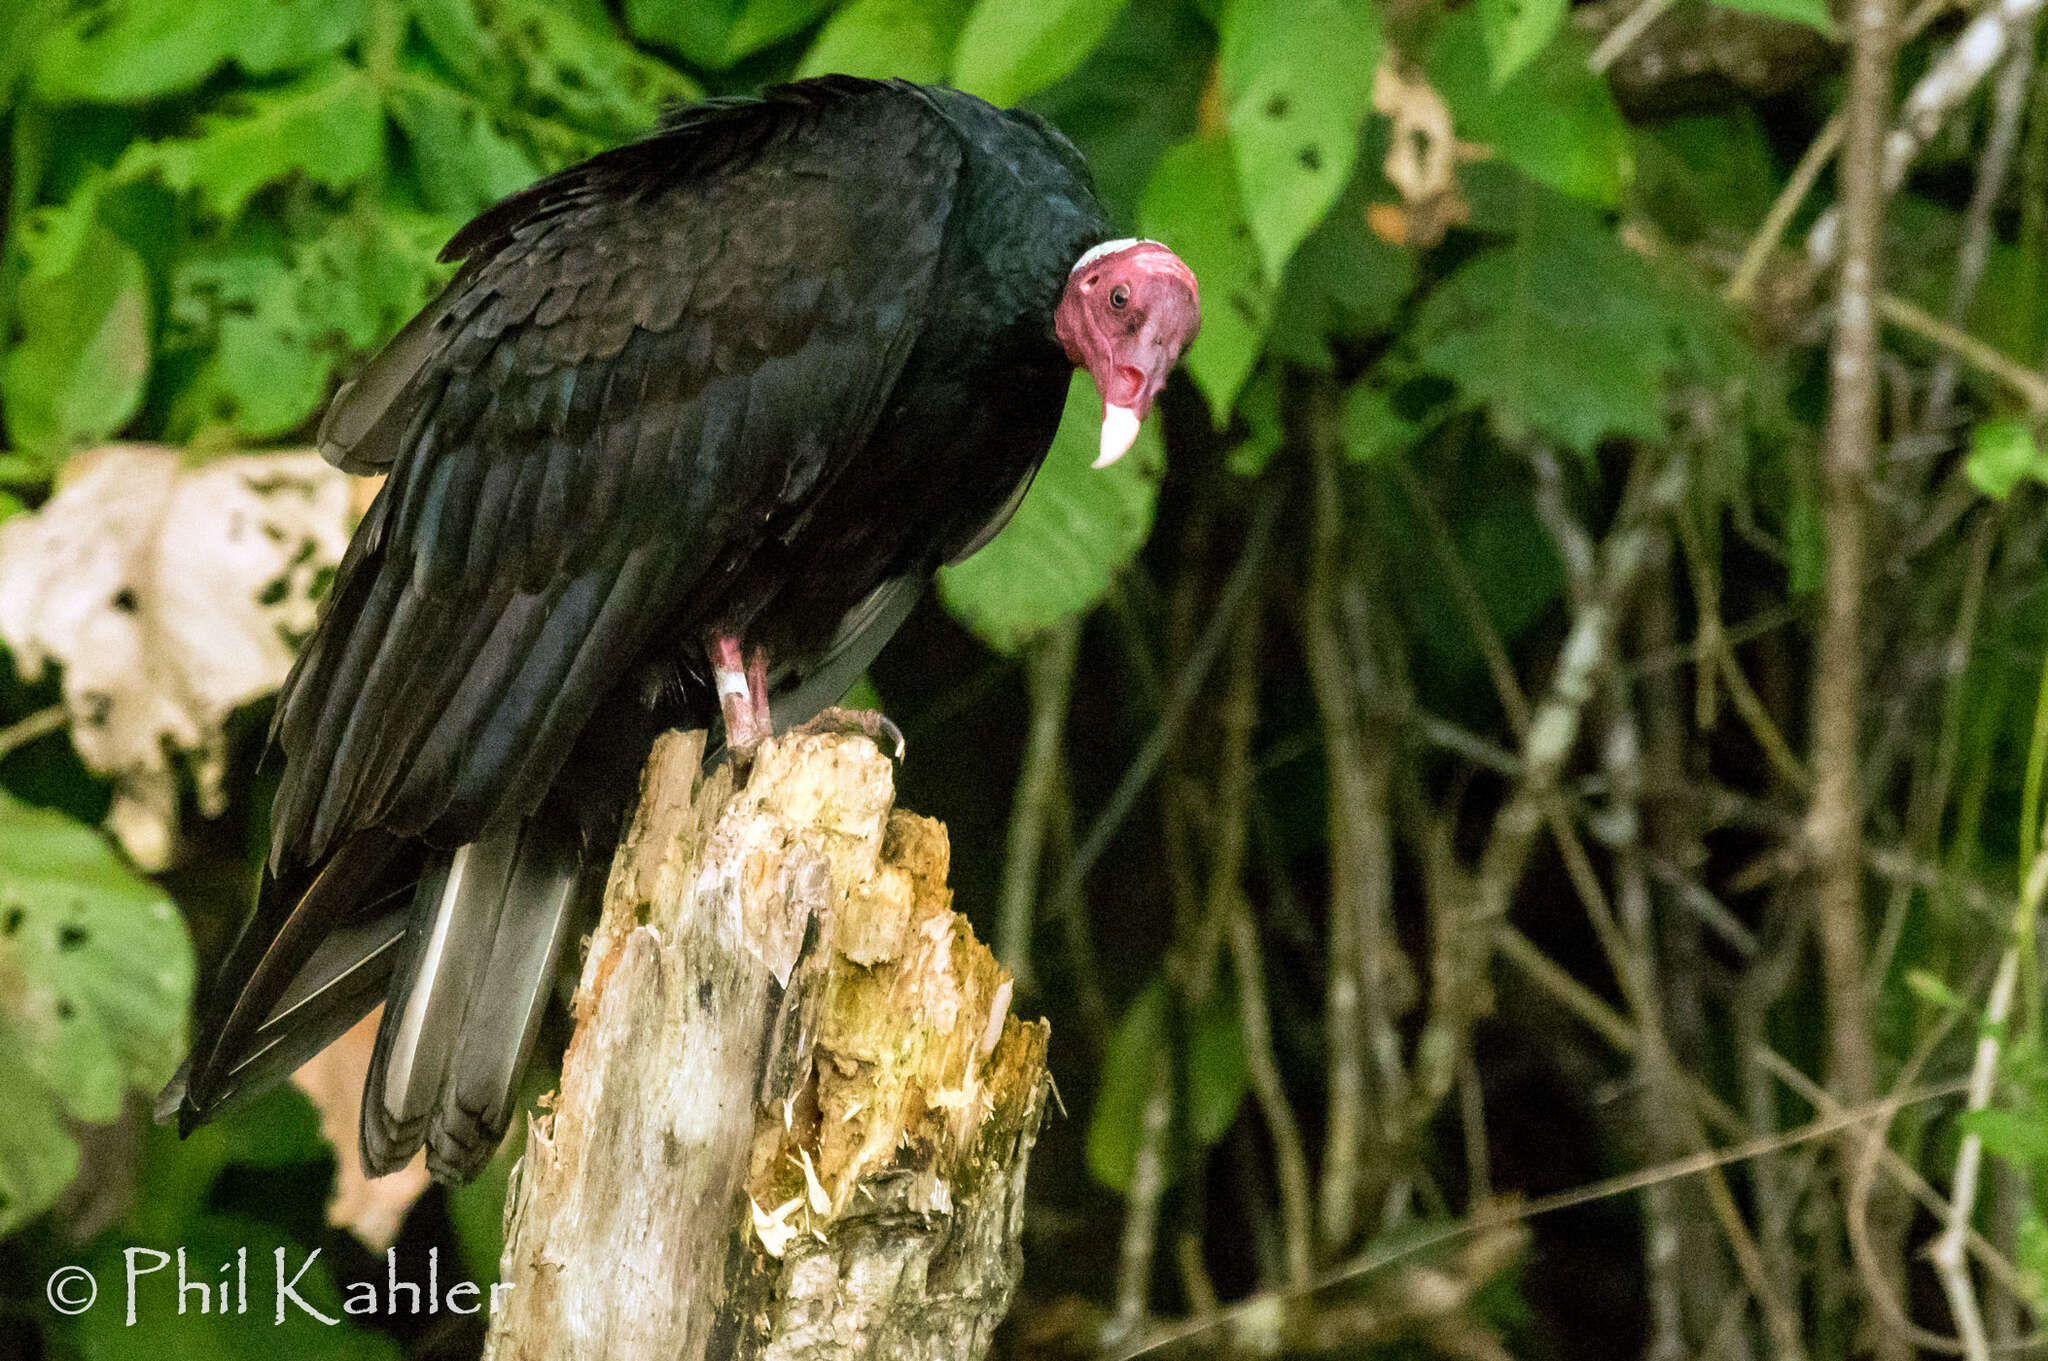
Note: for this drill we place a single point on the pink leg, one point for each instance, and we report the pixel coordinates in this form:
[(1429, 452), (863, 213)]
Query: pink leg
[(742, 683)]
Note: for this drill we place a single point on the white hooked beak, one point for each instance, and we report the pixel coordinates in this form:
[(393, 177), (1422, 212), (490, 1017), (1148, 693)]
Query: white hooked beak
[(1119, 433)]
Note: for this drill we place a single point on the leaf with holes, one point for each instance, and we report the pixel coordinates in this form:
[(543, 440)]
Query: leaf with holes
[(1297, 78), (326, 129), (169, 595), (1075, 530), (121, 51), (1012, 49), (1192, 206), (95, 979)]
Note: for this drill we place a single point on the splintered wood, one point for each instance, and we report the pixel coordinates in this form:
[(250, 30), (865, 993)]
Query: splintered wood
[(795, 1116)]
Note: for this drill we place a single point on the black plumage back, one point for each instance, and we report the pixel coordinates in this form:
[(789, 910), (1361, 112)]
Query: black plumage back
[(757, 373)]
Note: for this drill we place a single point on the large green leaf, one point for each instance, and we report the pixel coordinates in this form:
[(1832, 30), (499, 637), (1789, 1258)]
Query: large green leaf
[(95, 978), (118, 51), (1561, 332), (326, 128), (582, 71), (1342, 282), (1516, 30), (1077, 527), (1138, 94), (717, 33), (466, 161), (1192, 206), (76, 375), (912, 39), (1297, 76), (1553, 120), (1012, 49), (1116, 1126)]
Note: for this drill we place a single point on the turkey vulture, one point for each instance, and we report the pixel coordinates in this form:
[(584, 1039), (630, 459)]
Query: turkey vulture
[(684, 439)]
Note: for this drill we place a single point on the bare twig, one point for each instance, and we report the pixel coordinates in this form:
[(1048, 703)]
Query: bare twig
[(1245, 1312), (34, 728), (1049, 678), (1940, 92), (1835, 815), (1948, 1250), (2024, 381), (1360, 1002), (2008, 103)]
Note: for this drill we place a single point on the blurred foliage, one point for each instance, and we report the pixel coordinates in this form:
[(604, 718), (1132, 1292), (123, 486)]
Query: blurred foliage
[(216, 210)]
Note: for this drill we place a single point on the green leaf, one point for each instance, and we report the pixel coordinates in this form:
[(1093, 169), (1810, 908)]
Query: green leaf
[(1192, 206), (2019, 1138), (1561, 332), (1297, 79), (1216, 1077), (717, 33), (1812, 13), (584, 72), (1075, 530), (77, 373), (1137, 96), (1342, 282), (1516, 30), (2003, 452), (326, 128), (1372, 428), (121, 51), (911, 39), (265, 370), (1554, 120), (95, 978), (466, 162), (1116, 1127), (1012, 49)]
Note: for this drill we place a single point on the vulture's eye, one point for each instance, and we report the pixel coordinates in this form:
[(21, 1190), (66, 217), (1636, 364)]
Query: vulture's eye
[(1120, 297)]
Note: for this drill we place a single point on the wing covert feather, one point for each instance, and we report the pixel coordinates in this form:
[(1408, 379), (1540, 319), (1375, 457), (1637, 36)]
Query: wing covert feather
[(619, 395)]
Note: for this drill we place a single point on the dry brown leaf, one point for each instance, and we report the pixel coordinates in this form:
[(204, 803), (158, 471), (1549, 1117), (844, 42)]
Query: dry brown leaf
[(1422, 159), (371, 1208), (170, 595)]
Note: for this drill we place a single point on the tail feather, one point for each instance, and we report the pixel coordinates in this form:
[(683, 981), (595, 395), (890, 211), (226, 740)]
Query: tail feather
[(467, 992), (308, 964)]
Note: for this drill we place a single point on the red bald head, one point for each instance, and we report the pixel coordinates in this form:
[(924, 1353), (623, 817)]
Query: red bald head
[(1131, 308)]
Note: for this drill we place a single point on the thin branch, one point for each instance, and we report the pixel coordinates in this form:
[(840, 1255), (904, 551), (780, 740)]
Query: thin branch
[(1049, 680), (34, 728), (1994, 166), (1187, 685), (1948, 1250), (1835, 815), (1624, 34), (1950, 80), (2026, 382), (1248, 1312)]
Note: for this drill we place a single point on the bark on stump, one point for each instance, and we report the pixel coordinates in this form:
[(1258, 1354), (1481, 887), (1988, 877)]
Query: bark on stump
[(794, 1118)]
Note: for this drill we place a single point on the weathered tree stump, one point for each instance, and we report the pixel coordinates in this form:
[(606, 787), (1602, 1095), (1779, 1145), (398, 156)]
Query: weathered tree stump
[(795, 1116)]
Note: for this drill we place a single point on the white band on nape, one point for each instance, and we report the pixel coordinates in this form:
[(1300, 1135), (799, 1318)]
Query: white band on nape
[(1094, 253)]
